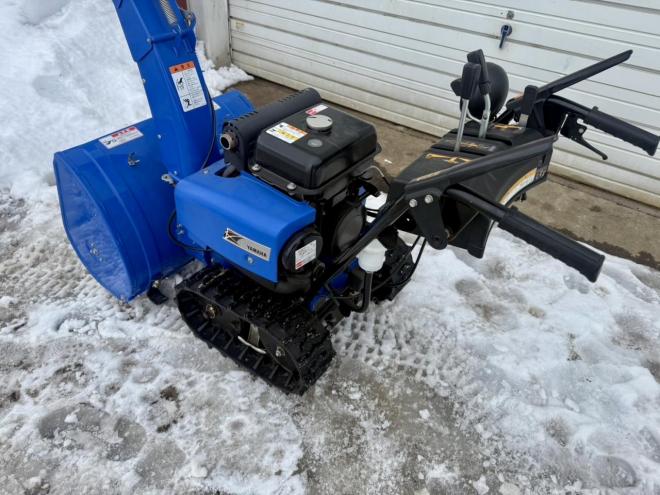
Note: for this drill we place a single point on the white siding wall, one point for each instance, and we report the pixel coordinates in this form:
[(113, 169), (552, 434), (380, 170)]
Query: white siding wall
[(395, 59)]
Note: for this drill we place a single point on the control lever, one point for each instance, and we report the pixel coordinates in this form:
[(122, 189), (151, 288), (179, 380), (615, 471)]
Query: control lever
[(584, 259), (469, 81), (575, 132), (477, 57), (527, 104)]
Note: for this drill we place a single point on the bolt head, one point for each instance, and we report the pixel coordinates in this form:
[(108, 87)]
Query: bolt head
[(256, 167), (250, 260), (412, 203), (428, 199), (291, 186), (210, 312), (279, 352)]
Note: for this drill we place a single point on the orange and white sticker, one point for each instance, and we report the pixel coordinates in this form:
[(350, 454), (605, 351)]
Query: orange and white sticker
[(120, 137), (188, 86), (286, 132)]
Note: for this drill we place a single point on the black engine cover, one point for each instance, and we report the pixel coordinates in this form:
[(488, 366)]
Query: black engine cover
[(309, 156)]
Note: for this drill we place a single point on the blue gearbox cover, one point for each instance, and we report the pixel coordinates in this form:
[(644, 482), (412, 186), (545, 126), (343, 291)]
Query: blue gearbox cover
[(244, 220)]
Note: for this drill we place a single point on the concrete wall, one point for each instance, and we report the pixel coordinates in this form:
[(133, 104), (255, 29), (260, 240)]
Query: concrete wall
[(213, 28)]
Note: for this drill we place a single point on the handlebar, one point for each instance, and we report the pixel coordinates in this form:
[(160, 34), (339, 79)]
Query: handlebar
[(622, 130), (609, 124), (585, 260)]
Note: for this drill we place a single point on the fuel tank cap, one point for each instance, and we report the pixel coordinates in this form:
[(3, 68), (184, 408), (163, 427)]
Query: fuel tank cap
[(321, 123)]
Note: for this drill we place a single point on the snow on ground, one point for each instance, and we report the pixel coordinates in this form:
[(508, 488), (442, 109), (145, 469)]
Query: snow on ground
[(505, 375)]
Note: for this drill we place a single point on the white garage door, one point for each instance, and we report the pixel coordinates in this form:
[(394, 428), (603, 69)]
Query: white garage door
[(395, 59)]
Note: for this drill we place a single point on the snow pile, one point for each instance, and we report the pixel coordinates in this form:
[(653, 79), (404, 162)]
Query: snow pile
[(52, 98), (217, 80), (506, 375)]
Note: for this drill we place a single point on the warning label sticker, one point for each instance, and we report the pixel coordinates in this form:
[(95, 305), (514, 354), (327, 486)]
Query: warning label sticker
[(188, 86), (286, 132), (305, 254), (120, 137), (316, 109)]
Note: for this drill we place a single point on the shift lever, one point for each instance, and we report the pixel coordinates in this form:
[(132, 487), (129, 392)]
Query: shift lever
[(527, 104), (477, 57), (469, 81)]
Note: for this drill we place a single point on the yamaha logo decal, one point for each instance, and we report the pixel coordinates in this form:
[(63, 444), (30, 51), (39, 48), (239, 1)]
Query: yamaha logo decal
[(248, 245)]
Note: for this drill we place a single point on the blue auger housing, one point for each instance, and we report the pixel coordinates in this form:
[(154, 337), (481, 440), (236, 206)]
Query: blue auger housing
[(115, 206)]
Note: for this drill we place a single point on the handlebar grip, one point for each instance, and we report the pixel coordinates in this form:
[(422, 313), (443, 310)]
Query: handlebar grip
[(623, 130), (469, 80), (585, 260), (477, 57)]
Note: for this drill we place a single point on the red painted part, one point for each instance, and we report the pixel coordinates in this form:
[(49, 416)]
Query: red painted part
[(182, 3)]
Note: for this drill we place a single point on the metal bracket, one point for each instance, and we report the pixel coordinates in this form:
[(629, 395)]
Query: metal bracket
[(428, 217)]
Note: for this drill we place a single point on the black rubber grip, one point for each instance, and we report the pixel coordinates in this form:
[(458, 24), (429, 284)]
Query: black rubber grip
[(623, 130), (477, 57), (469, 80), (585, 260)]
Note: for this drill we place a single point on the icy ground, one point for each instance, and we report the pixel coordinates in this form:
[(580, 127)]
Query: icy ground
[(504, 375)]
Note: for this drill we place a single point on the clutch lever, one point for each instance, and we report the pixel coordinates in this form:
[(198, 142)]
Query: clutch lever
[(575, 132)]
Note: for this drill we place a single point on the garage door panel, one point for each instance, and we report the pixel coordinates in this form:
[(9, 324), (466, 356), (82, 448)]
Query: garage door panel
[(442, 59), (630, 161), (396, 61), (554, 35), (614, 173), (537, 13), (359, 101), (603, 182), (344, 74), (586, 11), (358, 58), (389, 61), (312, 78), (530, 52)]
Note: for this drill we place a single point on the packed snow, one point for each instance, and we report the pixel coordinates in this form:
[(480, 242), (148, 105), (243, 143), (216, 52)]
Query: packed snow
[(509, 375)]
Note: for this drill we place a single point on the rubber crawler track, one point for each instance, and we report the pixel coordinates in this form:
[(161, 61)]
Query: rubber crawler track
[(281, 320)]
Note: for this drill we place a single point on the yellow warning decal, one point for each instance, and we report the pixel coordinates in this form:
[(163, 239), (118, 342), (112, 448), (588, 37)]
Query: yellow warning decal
[(286, 132), (452, 160)]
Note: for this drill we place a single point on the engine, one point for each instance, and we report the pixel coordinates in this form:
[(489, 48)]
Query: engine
[(306, 169)]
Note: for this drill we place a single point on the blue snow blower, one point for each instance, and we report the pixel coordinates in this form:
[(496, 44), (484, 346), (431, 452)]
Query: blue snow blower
[(273, 201)]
